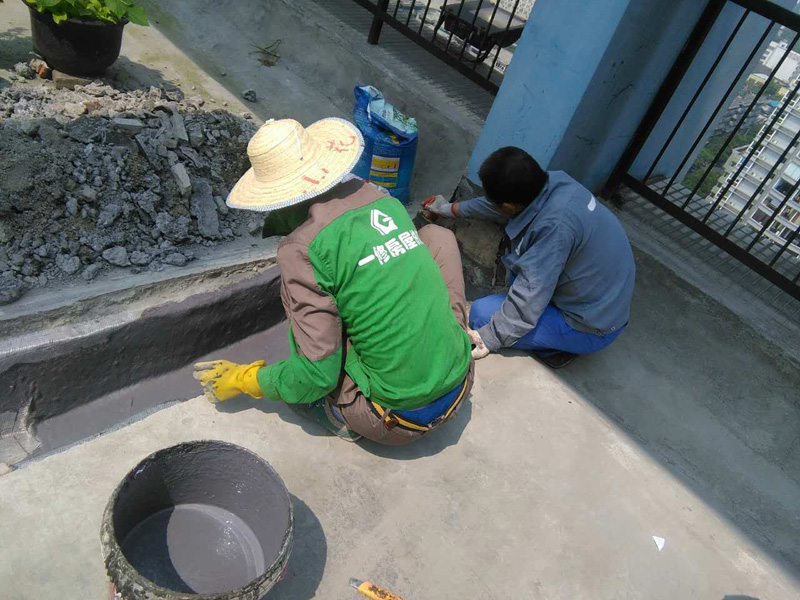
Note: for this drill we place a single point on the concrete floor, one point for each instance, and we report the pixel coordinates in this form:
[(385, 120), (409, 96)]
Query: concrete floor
[(548, 485), (531, 493)]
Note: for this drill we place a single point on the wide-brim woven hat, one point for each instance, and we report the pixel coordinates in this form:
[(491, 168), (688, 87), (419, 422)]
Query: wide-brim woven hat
[(291, 164)]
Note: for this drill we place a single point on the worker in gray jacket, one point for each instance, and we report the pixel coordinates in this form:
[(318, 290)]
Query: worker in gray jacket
[(570, 265)]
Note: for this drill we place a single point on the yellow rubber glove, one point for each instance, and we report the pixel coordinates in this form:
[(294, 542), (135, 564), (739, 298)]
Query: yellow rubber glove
[(223, 380)]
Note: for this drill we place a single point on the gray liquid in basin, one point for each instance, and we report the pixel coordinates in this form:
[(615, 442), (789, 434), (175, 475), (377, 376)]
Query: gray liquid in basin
[(195, 548)]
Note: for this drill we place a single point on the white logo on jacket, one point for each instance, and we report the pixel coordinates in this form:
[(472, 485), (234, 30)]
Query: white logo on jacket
[(383, 223)]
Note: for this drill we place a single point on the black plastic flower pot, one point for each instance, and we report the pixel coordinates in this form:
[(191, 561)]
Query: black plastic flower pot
[(76, 46)]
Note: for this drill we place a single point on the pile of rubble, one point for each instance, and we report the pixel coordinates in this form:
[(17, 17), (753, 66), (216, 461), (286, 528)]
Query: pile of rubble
[(96, 178)]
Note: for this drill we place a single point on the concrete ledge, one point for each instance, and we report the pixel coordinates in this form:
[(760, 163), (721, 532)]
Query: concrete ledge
[(48, 373)]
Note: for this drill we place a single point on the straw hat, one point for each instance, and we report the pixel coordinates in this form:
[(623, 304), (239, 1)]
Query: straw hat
[(291, 164)]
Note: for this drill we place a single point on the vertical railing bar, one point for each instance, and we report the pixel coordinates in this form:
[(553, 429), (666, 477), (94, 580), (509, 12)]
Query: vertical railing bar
[(424, 18), (764, 133), (716, 111), (743, 118), (487, 33), (499, 48), (377, 25), (458, 20), (696, 95), (775, 214), (761, 185), (471, 29), (396, 8), (410, 12)]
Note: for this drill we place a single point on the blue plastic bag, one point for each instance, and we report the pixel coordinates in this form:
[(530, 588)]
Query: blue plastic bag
[(390, 143)]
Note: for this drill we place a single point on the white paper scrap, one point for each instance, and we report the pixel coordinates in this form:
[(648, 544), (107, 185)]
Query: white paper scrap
[(659, 542)]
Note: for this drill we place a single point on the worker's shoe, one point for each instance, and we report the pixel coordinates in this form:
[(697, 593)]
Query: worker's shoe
[(320, 413), (554, 360)]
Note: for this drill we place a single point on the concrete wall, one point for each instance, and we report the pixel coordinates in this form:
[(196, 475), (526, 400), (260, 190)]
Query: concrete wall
[(573, 96)]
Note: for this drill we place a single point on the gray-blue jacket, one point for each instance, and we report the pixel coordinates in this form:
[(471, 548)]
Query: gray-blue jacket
[(566, 249)]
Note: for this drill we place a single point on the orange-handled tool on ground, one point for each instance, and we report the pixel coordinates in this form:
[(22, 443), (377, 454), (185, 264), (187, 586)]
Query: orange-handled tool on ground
[(370, 590)]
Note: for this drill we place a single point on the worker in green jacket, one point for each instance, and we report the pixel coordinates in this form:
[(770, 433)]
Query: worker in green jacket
[(377, 310)]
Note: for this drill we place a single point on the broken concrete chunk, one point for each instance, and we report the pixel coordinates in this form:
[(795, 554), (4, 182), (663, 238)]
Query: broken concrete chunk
[(179, 128), (176, 259), (24, 70), (74, 109), (91, 271), (63, 81), (117, 256), (86, 192), (221, 206), (139, 258), (127, 125), (174, 229), (204, 209), (11, 289), (108, 214), (68, 264), (29, 127), (182, 178)]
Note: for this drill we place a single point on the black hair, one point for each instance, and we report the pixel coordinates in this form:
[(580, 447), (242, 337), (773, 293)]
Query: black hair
[(511, 175)]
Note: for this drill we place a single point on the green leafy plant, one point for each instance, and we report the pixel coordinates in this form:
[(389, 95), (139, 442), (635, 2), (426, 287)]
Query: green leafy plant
[(110, 11)]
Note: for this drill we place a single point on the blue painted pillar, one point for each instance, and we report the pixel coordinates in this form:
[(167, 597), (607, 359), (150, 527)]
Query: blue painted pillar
[(584, 73), (554, 62)]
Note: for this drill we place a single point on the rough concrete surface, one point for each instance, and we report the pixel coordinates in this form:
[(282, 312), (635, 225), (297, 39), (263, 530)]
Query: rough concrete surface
[(321, 61), (564, 507)]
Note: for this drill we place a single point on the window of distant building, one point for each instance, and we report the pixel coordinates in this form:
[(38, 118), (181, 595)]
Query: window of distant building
[(760, 216), (783, 186), (793, 171)]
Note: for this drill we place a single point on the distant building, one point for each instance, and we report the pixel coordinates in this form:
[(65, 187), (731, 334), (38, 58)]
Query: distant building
[(773, 192), (790, 69), (738, 107)]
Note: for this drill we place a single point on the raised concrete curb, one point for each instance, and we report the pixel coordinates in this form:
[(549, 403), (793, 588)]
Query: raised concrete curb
[(48, 373)]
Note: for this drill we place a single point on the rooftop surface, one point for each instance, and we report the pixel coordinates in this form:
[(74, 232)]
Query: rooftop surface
[(547, 485)]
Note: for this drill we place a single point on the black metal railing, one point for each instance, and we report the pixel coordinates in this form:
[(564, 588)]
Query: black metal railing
[(731, 175), (475, 37)]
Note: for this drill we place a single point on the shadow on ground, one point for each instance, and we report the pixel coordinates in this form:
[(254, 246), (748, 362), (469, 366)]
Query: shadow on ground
[(447, 435), (309, 554), (715, 403)]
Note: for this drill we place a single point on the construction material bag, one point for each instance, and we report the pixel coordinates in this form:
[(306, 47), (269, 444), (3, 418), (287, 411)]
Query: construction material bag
[(390, 143)]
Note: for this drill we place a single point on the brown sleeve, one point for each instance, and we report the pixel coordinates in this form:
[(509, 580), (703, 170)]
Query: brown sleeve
[(313, 313)]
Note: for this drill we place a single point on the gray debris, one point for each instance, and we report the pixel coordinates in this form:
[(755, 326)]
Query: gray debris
[(221, 206), (11, 289), (81, 191), (139, 258), (176, 259), (91, 271), (182, 178), (179, 128), (72, 206), (204, 209), (24, 70), (68, 264), (127, 125), (29, 127), (117, 256), (108, 214), (174, 229), (250, 95)]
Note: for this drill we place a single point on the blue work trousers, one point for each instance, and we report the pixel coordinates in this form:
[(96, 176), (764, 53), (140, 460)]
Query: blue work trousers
[(551, 332)]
